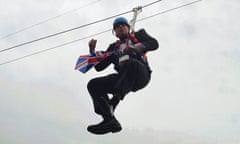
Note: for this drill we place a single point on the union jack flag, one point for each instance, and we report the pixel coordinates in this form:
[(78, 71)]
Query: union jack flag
[(86, 62)]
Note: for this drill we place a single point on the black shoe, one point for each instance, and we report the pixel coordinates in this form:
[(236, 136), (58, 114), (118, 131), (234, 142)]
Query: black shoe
[(90, 127), (105, 127)]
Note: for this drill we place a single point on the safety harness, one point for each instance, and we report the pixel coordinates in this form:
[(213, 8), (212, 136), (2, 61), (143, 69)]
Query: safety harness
[(135, 40)]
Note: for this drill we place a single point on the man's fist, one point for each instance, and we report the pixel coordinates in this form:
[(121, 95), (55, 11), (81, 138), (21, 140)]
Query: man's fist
[(92, 45)]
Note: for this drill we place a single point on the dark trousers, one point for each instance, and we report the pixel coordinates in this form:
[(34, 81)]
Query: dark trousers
[(132, 76)]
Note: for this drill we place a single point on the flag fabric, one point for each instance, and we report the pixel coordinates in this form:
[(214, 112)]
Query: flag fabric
[(86, 62)]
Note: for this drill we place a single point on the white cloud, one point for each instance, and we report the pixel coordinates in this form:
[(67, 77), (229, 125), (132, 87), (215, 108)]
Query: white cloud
[(194, 88)]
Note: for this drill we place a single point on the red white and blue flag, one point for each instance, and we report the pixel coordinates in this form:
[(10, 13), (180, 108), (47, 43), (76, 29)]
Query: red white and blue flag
[(86, 62)]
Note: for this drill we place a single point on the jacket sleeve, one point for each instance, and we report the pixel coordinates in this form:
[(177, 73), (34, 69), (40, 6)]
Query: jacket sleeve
[(146, 40), (106, 62)]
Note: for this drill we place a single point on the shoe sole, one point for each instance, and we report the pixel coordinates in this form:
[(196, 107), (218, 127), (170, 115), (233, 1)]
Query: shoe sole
[(105, 131), (116, 130)]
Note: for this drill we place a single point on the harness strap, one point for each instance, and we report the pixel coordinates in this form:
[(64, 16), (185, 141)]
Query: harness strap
[(134, 40)]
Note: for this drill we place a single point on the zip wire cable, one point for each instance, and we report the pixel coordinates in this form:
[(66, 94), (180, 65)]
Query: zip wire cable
[(32, 54), (72, 29), (61, 45), (172, 9), (47, 20)]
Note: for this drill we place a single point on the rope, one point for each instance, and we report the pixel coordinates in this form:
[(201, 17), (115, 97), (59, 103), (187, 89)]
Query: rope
[(136, 11)]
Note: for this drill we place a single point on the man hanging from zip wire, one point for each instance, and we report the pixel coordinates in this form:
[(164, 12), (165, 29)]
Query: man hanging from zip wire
[(132, 73)]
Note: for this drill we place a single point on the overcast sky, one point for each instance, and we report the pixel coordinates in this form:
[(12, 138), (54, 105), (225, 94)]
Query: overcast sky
[(193, 96)]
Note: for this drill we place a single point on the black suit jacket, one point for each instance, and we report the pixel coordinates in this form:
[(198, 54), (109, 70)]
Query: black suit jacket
[(149, 43)]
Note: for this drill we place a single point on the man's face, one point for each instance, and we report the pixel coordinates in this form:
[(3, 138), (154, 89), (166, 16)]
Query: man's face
[(121, 30)]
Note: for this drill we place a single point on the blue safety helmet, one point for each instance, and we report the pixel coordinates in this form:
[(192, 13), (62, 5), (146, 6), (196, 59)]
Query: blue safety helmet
[(120, 20)]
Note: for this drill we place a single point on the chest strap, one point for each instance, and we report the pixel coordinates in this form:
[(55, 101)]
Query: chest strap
[(135, 40)]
